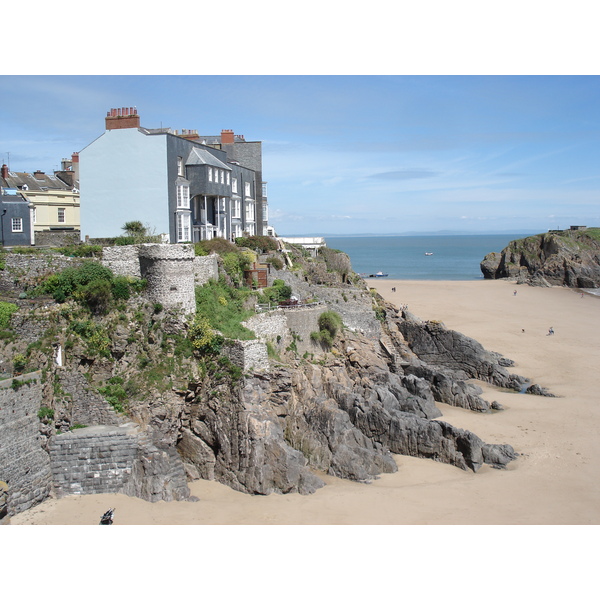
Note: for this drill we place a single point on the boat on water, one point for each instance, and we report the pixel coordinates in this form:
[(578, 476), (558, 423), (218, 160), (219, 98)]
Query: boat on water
[(378, 274), (428, 253)]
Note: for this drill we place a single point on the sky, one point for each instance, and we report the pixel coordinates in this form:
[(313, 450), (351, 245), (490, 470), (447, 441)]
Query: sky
[(352, 154), (462, 117)]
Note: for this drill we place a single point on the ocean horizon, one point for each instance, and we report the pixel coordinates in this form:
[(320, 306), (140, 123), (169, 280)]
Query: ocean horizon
[(421, 257)]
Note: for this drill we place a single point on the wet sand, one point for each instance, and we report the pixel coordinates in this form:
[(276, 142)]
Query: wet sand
[(556, 479)]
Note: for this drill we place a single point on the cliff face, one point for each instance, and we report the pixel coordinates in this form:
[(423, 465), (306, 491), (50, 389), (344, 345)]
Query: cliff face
[(570, 258), (343, 409)]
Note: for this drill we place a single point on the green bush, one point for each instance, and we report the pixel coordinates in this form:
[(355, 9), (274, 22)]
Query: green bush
[(276, 262), (114, 393), (6, 310), (202, 336), (120, 288), (260, 243), (97, 296), (46, 413), (330, 321)]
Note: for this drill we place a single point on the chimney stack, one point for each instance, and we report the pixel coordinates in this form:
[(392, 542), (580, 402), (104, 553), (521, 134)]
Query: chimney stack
[(4, 171), (227, 136), (122, 118), (39, 175)]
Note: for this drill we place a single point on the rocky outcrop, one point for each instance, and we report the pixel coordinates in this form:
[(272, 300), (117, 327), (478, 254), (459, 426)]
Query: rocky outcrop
[(344, 410), (569, 258)]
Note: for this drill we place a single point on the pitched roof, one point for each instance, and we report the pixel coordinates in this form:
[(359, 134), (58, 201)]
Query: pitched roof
[(198, 156), (42, 182)]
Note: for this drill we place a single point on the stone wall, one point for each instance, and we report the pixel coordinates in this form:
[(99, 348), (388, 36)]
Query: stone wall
[(116, 460), (56, 239), (205, 268), (27, 269), (24, 465), (89, 407), (122, 260), (169, 270), (249, 355)]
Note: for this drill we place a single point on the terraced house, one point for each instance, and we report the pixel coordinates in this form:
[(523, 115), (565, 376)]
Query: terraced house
[(183, 185), (53, 199)]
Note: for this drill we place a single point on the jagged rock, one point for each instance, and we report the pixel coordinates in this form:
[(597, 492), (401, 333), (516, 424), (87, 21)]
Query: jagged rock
[(570, 258), (537, 390), (438, 346)]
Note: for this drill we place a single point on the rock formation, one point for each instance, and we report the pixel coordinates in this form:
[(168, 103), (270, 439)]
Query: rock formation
[(343, 409), (570, 258)]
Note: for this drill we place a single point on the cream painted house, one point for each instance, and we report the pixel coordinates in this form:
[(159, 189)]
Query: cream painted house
[(54, 198)]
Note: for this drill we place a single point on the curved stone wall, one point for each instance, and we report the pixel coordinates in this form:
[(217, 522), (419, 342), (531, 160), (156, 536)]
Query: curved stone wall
[(169, 270)]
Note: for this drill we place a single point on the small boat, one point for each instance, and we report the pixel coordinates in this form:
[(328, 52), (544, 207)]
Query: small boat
[(428, 253), (379, 274)]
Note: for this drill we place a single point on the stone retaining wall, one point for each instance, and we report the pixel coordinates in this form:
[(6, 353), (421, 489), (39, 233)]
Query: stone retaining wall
[(116, 460), (249, 355), (24, 465)]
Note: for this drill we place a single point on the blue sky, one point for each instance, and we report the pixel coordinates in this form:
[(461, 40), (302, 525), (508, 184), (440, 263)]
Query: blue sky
[(348, 154)]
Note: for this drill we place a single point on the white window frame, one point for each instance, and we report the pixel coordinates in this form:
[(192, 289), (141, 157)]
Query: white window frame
[(62, 217), (247, 190), (228, 178), (180, 166), (183, 196), (249, 212), (222, 177), (210, 173), (234, 185), (236, 212), (183, 227), (17, 225)]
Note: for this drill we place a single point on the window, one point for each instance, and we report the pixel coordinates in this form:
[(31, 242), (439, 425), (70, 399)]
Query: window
[(247, 189), (183, 227), (61, 215), (234, 185), (17, 224), (180, 166), (236, 213), (210, 173), (222, 177), (183, 196), (249, 211), (33, 214), (228, 181)]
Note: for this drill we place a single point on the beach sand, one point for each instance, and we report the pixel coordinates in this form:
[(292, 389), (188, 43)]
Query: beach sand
[(555, 480)]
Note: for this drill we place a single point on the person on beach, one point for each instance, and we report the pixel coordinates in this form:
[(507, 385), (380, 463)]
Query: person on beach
[(551, 331), (515, 293)]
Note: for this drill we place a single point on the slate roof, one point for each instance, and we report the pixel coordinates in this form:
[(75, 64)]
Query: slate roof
[(198, 156), (45, 183)]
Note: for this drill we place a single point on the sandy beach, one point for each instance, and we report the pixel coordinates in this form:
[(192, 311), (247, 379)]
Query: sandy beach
[(556, 479)]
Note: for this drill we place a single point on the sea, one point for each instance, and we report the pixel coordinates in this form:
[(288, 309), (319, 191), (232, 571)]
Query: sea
[(421, 257)]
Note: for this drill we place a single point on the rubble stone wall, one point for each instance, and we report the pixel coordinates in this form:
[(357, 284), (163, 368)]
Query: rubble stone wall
[(169, 270)]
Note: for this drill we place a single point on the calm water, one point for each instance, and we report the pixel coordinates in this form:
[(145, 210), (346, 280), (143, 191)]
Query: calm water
[(455, 257)]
